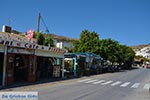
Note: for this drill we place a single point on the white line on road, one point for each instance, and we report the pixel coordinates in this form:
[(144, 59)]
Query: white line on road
[(136, 85), (116, 83), (91, 81), (146, 86), (125, 84), (99, 81), (84, 80), (107, 83)]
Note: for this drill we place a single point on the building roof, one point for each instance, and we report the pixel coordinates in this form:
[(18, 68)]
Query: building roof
[(54, 36), (142, 50), (15, 37), (16, 40)]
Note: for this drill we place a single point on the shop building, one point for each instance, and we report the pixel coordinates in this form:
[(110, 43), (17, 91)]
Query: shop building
[(79, 64), (22, 61)]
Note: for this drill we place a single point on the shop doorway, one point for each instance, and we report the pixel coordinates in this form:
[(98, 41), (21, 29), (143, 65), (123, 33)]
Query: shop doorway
[(1, 67), (44, 68), (20, 68)]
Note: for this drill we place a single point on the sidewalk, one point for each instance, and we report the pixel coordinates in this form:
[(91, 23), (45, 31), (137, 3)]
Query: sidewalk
[(41, 83), (44, 83)]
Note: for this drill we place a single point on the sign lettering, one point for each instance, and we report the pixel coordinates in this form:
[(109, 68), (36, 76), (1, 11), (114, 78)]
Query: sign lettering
[(31, 46)]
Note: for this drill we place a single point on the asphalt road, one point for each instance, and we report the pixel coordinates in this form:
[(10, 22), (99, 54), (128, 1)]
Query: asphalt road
[(124, 85)]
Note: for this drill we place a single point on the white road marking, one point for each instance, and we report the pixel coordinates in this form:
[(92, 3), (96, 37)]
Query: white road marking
[(116, 83), (99, 81), (84, 80), (91, 81), (125, 84), (108, 82), (136, 85), (104, 82), (146, 86)]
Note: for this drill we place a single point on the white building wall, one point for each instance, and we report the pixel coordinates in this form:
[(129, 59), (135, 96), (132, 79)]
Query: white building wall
[(145, 52), (62, 44), (55, 42), (59, 45), (67, 44)]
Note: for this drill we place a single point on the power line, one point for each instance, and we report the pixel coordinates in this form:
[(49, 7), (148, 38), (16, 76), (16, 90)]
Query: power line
[(44, 24)]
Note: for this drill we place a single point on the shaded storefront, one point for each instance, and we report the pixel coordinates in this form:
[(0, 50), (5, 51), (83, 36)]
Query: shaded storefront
[(1, 67), (21, 68), (49, 65), (75, 65), (44, 68), (20, 65), (1, 63), (28, 62), (29, 65), (80, 64)]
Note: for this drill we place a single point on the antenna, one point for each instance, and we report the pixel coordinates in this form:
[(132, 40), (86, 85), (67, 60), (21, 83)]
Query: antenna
[(9, 21)]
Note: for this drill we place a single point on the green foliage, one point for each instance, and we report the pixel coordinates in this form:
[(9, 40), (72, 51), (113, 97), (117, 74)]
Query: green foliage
[(68, 49), (76, 44), (41, 39), (108, 49), (141, 58), (127, 55), (49, 42), (87, 43), (35, 35), (116, 53)]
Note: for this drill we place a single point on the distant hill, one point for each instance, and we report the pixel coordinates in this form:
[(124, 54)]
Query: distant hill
[(140, 46), (142, 50), (54, 36)]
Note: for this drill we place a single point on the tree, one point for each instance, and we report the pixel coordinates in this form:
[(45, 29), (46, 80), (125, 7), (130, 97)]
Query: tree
[(68, 49), (41, 39), (35, 35), (49, 41), (122, 54), (109, 50), (76, 44), (129, 57), (88, 42), (116, 53), (141, 58)]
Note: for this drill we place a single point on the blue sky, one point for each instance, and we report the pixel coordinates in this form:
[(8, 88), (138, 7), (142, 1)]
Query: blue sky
[(126, 21)]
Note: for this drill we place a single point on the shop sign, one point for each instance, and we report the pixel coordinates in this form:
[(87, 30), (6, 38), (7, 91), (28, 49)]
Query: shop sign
[(31, 46), (20, 50)]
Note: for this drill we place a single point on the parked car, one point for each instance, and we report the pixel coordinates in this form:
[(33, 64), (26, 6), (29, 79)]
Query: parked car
[(148, 66), (108, 68)]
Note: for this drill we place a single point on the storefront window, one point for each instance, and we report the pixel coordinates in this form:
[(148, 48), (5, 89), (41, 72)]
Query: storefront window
[(57, 61), (69, 65), (1, 67), (10, 66), (57, 67), (31, 64)]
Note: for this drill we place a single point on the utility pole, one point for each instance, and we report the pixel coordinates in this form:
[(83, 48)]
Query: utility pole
[(38, 28)]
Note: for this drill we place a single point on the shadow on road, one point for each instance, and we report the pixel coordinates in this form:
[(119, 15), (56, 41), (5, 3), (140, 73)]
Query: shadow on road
[(48, 80)]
